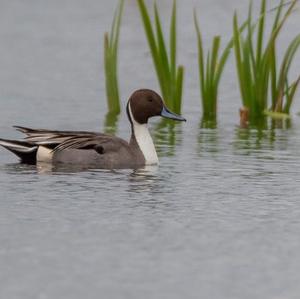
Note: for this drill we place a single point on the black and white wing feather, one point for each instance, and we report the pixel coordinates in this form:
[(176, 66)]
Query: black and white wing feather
[(63, 140)]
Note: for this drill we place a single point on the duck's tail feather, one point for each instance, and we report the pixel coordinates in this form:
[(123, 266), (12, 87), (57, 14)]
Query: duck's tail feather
[(24, 150)]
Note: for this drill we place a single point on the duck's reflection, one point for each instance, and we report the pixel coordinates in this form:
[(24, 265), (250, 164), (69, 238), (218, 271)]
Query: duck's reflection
[(18, 168), (143, 174), (143, 179), (147, 188), (49, 168)]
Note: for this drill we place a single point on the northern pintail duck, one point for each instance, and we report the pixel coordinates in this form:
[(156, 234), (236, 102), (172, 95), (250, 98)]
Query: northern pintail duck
[(97, 149)]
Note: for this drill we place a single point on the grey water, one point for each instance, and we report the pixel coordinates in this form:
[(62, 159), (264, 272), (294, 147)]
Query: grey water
[(218, 218)]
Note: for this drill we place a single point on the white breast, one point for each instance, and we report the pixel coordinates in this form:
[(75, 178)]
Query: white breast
[(44, 154), (144, 141)]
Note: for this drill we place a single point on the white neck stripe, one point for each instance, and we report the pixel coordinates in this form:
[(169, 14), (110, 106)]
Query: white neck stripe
[(144, 140)]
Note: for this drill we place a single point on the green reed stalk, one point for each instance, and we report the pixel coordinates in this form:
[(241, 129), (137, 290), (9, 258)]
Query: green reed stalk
[(111, 43), (210, 71), (283, 91), (170, 76), (257, 64)]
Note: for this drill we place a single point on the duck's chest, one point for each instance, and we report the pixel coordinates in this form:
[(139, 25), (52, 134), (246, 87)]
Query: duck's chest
[(145, 143)]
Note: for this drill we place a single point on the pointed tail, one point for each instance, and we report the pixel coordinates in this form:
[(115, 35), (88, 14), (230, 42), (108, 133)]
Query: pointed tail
[(24, 150)]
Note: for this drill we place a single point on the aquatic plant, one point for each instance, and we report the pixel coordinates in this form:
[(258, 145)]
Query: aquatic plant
[(257, 63), (111, 123), (211, 67), (111, 43), (282, 91), (170, 76)]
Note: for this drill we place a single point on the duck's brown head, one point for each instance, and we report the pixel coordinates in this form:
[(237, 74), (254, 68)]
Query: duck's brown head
[(146, 103)]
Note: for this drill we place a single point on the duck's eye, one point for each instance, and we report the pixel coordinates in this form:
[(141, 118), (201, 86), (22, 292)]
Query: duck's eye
[(150, 100)]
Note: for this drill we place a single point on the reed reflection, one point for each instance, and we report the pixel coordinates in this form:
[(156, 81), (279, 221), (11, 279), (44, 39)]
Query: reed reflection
[(262, 135), (208, 137), (264, 122), (281, 123), (208, 123), (167, 135), (249, 140)]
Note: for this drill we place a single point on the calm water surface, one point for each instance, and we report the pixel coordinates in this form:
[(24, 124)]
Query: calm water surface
[(220, 216)]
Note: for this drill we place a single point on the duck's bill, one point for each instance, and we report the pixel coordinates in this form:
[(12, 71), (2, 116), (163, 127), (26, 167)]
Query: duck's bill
[(168, 114)]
